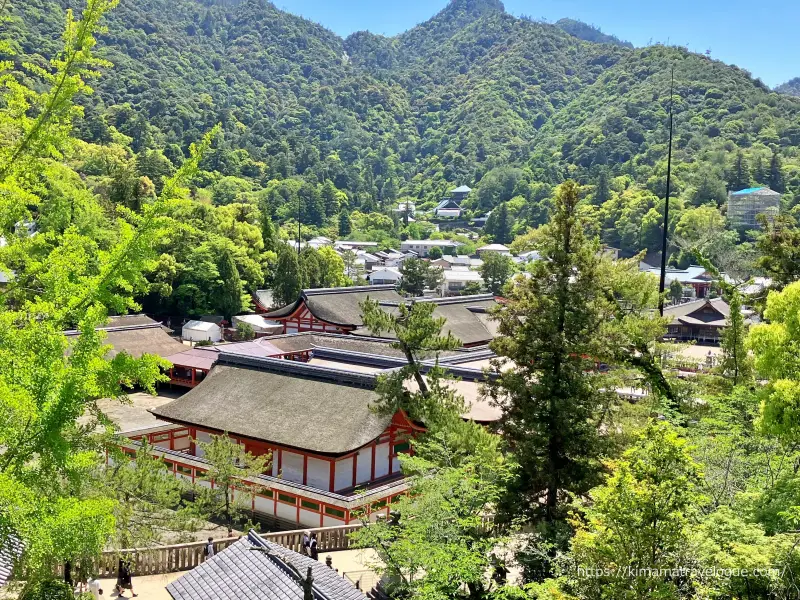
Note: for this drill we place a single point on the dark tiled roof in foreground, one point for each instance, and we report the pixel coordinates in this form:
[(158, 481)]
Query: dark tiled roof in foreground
[(340, 306), (282, 402), (10, 551), (255, 569)]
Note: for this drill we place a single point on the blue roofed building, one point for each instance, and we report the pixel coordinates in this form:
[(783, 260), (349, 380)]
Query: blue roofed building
[(745, 205)]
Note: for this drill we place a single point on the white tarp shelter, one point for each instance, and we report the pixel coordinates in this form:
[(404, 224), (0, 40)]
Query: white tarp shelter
[(199, 331)]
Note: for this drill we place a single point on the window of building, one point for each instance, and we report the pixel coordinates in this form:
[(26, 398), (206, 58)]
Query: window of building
[(309, 505), (334, 512), (287, 499), (404, 447)]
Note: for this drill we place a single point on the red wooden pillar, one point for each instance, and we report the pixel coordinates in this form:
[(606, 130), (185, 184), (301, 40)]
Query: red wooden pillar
[(355, 468), (305, 469), (193, 372), (332, 476), (391, 448)]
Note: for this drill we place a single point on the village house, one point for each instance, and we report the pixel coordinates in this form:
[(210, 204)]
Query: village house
[(385, 276), (423, 247), (448, 262), (496, 248), (354, 245), (456, 279)]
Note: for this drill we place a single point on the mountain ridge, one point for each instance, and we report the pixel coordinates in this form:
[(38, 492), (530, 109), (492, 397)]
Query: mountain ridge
[(470, 90)]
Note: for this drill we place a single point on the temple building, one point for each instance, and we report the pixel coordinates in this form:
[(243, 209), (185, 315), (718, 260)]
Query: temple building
[(136, 335), (333, 456), (330, 310), (702, 321)]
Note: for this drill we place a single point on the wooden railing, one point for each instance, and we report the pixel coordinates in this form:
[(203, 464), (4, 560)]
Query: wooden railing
[(183, 557)]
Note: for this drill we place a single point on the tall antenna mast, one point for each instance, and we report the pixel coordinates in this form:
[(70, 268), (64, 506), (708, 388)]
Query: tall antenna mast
[(662, 283)]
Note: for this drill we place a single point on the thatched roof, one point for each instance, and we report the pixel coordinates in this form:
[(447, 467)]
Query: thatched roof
[(142, 340), (339, 306), (464, 315), (137, 335), (314, 409)]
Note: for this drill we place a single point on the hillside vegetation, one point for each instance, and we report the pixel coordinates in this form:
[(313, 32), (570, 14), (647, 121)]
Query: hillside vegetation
[(474, 96)]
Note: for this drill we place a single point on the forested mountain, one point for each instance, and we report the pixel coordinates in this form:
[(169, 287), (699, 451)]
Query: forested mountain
[(590, 33), (791, 87), (472, 96)]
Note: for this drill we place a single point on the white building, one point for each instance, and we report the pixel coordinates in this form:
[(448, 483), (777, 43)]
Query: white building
[(406, 207), (353, 245), (456, 280), (385, 276), (423, 247), (496, 248), (260, 325), (448, 262), (201, 331)]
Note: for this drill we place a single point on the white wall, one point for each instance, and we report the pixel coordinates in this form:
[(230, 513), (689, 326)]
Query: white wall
[(381, 460), (364, 465), (213, 334), (308, 518), (328, 521), (265, 505), (204, 437), (288, 512), (344, 474), (319, 474), (292, 466)]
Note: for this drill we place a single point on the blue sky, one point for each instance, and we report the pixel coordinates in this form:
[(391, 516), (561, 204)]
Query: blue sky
[(761, 37)]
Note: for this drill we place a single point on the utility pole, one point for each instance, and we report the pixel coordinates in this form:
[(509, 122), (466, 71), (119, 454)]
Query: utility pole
[(664, 236), (298, 224)]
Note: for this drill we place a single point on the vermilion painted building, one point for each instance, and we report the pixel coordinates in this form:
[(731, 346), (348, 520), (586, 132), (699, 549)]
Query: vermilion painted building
[(338, 310), (333, 456), (330, 310)]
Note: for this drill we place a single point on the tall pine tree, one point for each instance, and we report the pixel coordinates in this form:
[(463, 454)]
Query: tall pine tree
[(775, 180), (268, 233), (229, 296), (287, 282), (739, 176), (345, 224), (601, 189)]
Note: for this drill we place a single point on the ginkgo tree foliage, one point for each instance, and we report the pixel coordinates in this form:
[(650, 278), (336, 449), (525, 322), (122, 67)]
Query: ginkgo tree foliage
[(776, 345), (59, 278)]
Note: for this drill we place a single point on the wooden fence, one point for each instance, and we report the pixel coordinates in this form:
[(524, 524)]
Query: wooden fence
[(183, 557)]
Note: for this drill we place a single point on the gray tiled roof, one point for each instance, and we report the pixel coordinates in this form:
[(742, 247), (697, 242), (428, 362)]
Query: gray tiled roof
[(10, 551), (242, 573)]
